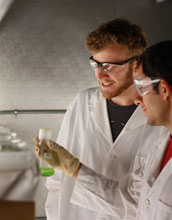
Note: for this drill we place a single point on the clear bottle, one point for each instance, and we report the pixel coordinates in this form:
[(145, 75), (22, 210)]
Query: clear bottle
[(45, 169)]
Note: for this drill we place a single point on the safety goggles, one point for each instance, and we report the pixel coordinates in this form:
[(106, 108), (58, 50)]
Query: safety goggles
[(108, 66), (144, 86)]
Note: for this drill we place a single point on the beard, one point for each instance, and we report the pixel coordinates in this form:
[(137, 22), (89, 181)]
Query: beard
[(119, 87), (110, 94)]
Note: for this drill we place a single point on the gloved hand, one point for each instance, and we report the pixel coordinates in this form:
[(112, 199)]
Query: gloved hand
[(60, 158)]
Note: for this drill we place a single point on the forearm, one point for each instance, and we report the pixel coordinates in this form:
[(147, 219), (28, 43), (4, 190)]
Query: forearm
[(96, 192)]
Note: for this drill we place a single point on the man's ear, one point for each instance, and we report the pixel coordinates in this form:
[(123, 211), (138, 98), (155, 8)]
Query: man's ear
[(135, 66), (135, 69), (165, 89)]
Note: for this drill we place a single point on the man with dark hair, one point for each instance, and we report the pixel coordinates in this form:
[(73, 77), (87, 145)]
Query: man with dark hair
[(153, 80), (102, 126)]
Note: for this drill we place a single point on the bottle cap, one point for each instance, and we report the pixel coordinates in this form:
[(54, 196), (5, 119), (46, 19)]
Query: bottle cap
[(44, 133)]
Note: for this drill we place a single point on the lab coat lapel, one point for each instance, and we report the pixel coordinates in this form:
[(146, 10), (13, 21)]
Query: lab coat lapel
[(163, 176), (136, 120), (98, 111), (154, 178), (99, 114)]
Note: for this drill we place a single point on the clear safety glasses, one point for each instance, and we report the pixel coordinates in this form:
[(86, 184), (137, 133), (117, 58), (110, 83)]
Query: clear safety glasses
[(144, 86), (107, 66)]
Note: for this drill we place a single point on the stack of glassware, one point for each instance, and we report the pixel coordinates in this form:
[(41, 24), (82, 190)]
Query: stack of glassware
[(9, 141)]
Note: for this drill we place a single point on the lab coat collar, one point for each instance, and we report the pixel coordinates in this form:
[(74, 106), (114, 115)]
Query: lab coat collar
[(98, 111), (136, 120)]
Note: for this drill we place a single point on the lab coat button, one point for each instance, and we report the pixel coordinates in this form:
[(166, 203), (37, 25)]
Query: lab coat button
[(113, 156), (147, 202)]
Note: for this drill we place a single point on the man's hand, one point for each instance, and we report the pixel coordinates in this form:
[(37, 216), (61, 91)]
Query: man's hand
[(60, 158)]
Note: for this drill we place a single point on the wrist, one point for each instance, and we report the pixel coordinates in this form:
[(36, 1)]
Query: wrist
[(75, 175)]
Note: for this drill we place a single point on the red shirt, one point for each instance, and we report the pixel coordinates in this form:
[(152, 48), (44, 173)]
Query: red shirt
[(167, 155)]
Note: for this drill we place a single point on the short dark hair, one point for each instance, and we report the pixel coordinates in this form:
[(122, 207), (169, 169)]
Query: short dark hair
[(118, 31), (157, 61)]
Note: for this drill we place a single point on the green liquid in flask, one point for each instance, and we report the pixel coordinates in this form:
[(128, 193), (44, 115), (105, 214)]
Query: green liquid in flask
[(46, 171)]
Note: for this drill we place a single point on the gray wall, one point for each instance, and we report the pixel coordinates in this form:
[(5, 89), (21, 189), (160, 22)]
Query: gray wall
[(44, 62), (154, 17)]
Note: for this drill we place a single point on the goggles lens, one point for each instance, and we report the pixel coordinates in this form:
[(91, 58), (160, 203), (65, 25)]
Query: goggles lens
[(144, 86), (107, 66), (104, 66)]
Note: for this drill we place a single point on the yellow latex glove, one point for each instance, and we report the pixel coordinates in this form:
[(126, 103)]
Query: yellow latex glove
[(60, 158)]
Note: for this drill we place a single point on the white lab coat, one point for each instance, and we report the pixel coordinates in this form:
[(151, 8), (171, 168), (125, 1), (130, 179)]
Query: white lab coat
[(86, 133), (143, 185), (156, 196)]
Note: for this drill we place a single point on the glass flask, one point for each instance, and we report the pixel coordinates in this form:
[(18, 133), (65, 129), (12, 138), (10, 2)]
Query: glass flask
[(45, 169)]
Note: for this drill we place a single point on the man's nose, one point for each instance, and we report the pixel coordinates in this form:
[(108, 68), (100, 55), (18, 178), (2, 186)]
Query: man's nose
[(100, 73)]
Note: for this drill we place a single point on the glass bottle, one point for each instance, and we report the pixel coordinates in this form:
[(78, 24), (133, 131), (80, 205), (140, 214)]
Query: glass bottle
[(45, 168)]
